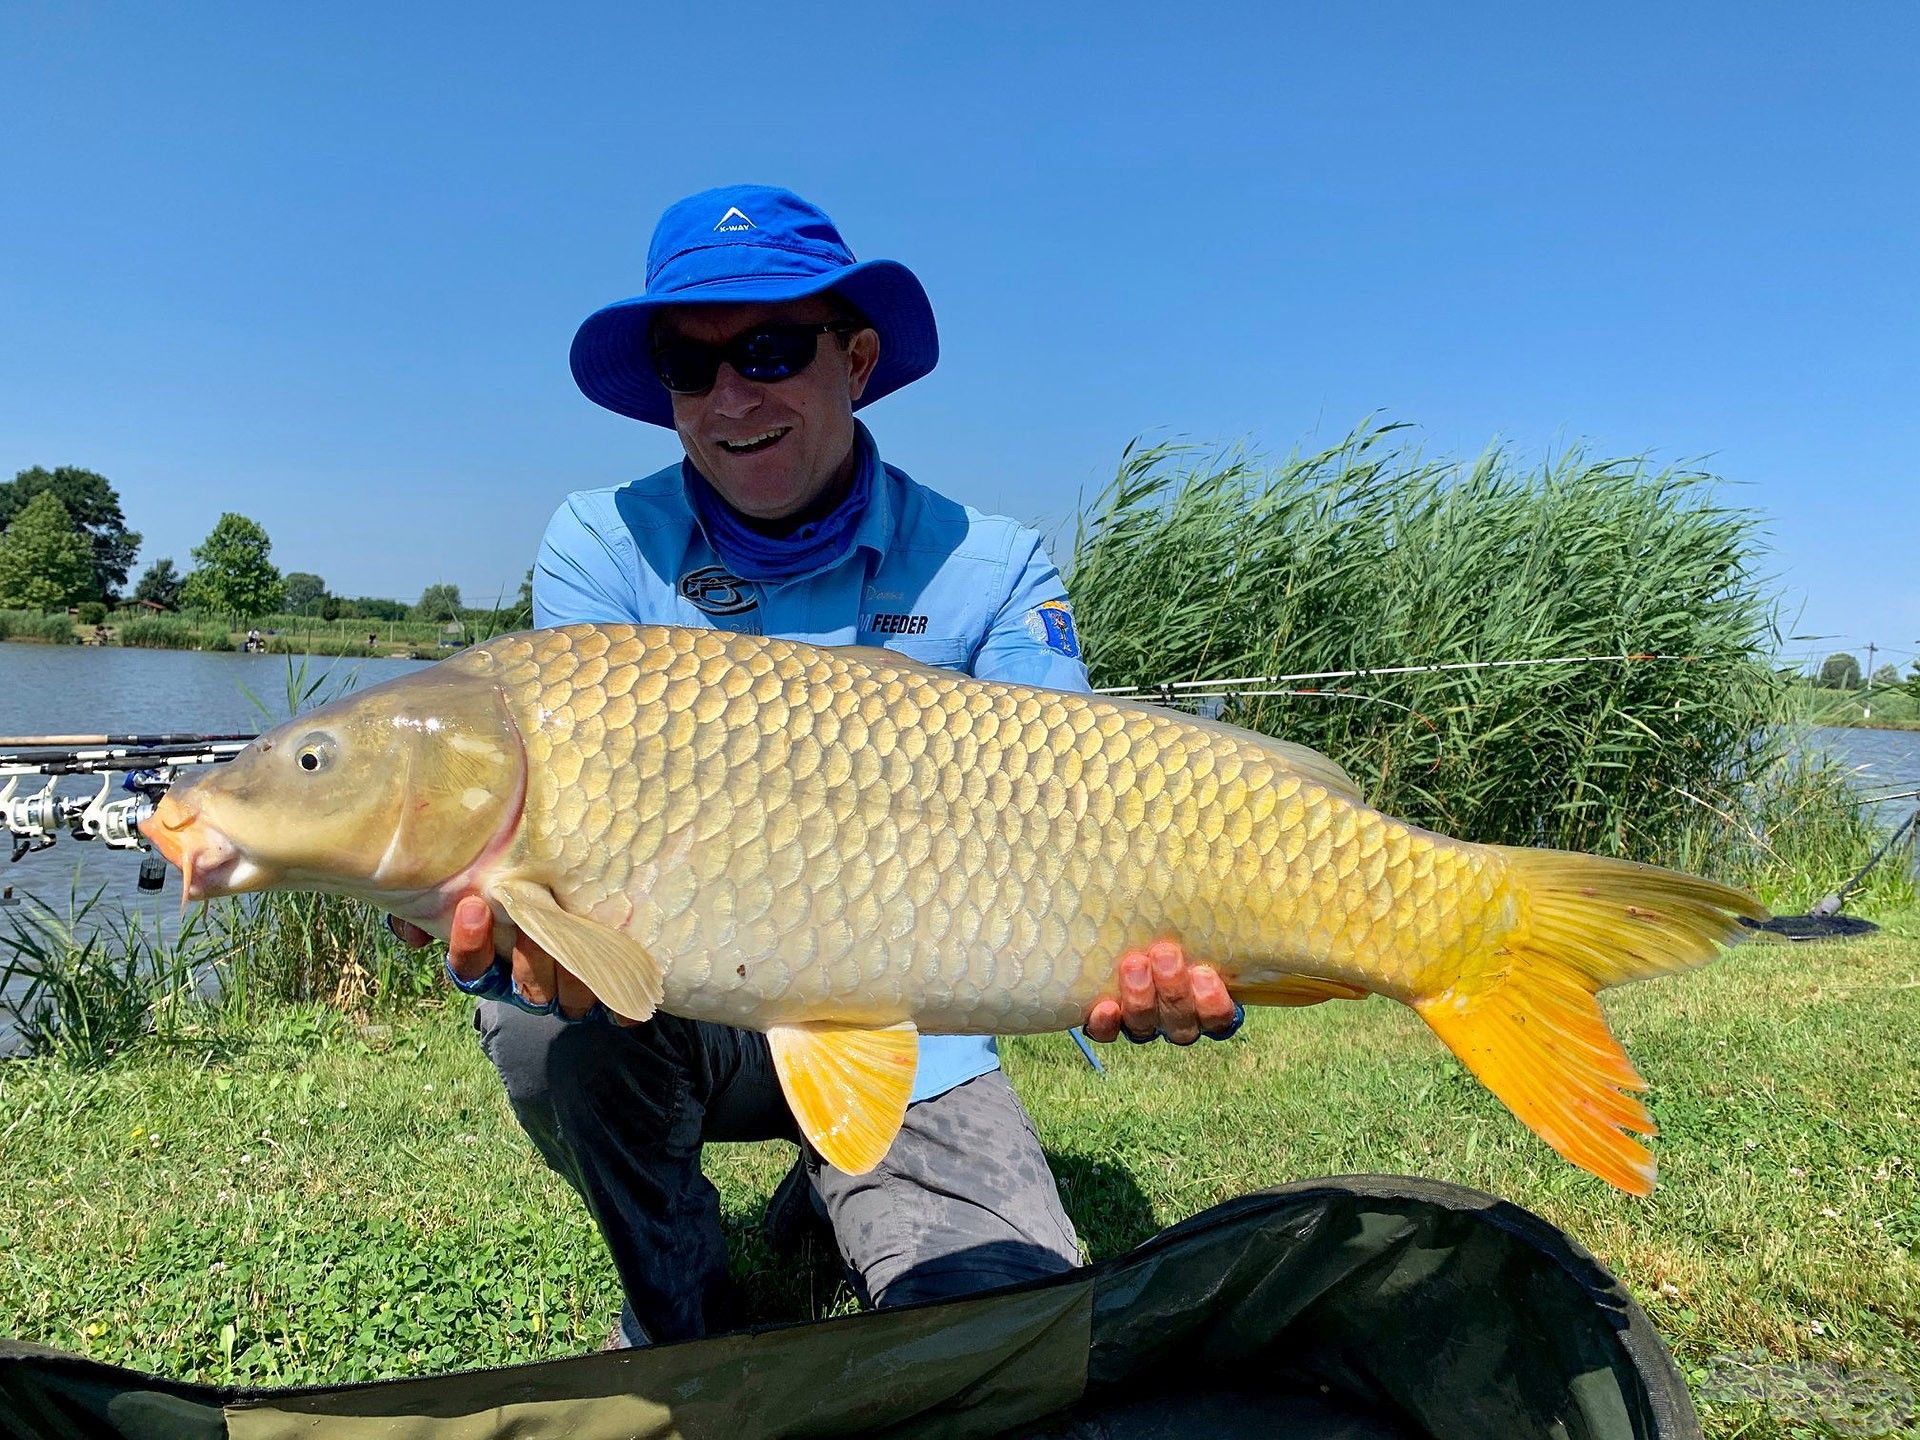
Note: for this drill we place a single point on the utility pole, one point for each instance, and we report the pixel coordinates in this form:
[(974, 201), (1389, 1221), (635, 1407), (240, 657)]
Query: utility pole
[(1871, 647)]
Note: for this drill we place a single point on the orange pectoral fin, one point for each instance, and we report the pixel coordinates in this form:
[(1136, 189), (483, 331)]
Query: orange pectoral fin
[(847, 1085)]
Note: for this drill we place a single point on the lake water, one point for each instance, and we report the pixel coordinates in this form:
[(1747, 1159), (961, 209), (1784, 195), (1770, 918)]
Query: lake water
[(75, 689), (90, 690)]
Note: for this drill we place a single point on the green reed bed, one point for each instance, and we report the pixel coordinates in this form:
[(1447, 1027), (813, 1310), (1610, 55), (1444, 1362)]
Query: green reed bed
[(33, 625), (172, 632), (1198, 564)]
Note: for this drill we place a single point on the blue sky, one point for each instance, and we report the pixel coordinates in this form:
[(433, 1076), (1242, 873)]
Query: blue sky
[(321, 265)]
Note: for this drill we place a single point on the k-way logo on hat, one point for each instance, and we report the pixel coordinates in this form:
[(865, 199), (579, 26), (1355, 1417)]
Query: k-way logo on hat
[(767, 247)]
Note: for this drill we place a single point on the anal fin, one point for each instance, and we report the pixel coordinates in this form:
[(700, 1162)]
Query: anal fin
[(847, 1086), (616, 967), (1296, 990)]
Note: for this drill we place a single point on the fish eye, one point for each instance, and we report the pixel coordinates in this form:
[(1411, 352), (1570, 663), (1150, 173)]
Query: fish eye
[(315, 753)]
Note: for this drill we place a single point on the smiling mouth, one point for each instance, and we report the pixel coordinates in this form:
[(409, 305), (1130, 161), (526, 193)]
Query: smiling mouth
[(755, 443)]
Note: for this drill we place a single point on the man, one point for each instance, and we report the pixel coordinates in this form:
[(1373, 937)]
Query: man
[(757, 338)]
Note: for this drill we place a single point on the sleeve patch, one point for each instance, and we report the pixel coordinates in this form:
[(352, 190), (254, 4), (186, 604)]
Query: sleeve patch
[(1051, 623)]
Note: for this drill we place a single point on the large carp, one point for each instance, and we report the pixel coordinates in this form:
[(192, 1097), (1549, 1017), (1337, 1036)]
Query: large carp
[(840, 847)]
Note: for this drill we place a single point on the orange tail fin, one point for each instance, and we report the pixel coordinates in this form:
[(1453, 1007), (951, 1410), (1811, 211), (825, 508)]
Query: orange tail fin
[(1528, 1024)]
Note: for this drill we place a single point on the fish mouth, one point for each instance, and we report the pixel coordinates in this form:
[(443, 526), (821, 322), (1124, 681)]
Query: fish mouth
[(210, 864)]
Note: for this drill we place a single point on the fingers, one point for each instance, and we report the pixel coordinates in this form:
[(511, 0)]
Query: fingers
[(1161, 993), (541, 980), (575, 998), (470, 938), (1103, 1021), (532, 972), (408, 934), (1212, 1005), (1173, 988), (1139, 1004)]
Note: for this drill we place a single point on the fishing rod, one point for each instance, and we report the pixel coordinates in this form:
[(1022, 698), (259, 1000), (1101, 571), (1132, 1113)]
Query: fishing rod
[(1882, 799), (148, 764), (1169, 690)]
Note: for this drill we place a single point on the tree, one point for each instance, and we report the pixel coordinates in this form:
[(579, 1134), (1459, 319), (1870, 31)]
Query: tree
[(161, 584), (45, 562), (93, 508), (1887, 677), (1840, 671), (1913, 682), (438, 602), (303, 589), (234, 576)]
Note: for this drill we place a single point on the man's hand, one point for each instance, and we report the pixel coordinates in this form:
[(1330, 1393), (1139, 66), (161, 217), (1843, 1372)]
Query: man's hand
[(1161, 993), (536, 975)]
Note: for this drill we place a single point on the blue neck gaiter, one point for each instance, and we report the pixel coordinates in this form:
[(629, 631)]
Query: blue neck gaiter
[(818, 543)]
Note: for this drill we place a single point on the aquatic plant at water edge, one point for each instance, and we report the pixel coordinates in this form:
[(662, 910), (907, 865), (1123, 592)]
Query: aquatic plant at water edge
[(1198, 564), (171, 632), (87, 982), (36, 625)]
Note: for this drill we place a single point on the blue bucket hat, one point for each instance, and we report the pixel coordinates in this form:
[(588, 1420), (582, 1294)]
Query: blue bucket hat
[(749, 244)]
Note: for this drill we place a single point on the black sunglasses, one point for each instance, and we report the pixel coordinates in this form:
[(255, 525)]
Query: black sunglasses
[(771, 352)]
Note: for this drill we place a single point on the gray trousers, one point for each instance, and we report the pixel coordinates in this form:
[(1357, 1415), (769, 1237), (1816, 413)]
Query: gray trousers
[(963, 1201)]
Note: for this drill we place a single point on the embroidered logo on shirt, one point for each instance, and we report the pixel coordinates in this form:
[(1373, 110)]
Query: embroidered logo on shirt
[(715, 592), (734, 214), (881, 623), (1051, 623)]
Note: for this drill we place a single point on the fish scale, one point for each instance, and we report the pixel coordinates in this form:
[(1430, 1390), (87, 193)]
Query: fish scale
[(1074, 829), (837, 846)]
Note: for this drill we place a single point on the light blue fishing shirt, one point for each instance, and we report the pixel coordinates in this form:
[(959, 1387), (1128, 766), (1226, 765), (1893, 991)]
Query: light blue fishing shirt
[(924, 575)]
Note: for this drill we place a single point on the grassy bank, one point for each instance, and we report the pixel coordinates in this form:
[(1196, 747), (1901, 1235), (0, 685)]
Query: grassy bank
[(301, 1198), (1880, 709)]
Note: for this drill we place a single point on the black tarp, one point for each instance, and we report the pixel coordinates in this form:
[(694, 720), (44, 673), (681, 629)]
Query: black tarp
[(1363, 1308)]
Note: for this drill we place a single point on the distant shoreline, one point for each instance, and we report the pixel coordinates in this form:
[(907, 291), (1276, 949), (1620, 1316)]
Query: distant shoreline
[(349, 651), (1899, 727)]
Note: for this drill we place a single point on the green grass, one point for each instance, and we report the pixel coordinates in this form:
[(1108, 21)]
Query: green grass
[(1879, 708), (302, 1198)]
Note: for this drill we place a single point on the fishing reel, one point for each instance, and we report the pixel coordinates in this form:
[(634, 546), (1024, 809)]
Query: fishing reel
[(36, 820), (147, 764)]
